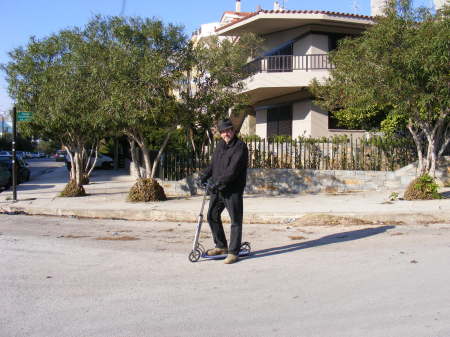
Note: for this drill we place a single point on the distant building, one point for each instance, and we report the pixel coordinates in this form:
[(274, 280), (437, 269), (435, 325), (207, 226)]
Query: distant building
[(5, 127)]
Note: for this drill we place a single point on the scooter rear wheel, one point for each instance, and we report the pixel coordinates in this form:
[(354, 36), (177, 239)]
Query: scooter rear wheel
[(245, 248), (194, 255)]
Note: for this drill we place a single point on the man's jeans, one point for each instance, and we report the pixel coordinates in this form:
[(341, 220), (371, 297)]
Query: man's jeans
[(234, 205)]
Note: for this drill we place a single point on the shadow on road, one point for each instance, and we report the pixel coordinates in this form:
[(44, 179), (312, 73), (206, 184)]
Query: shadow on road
[(326, 240)]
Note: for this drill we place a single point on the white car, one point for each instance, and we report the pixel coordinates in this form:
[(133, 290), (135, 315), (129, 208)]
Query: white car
[(103, 162)]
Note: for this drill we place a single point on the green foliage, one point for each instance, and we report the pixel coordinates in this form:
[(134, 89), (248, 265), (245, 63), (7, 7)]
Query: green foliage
[(47, 146), (212, 83), (250, 138), (422, 188), (72, 189), (22, 143), (280, 139), (146, 190)]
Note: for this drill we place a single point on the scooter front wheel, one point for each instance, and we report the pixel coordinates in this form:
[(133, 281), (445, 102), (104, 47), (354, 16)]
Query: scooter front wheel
[(194, 255)]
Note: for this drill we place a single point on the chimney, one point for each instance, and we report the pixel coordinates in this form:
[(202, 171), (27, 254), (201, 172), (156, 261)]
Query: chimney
[(238, 6), (377, 7), (276, 6)]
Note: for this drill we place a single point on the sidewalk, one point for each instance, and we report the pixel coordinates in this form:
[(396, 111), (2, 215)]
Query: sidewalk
[(108, 191)]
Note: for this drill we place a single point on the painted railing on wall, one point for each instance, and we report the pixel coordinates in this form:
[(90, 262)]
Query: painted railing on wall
[(374, 154), (287, 63)]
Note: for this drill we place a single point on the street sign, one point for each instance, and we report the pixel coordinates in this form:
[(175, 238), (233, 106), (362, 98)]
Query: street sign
[(24, 116)]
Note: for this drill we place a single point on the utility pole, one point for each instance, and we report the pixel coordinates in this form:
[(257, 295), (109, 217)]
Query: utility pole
[(14, 159)]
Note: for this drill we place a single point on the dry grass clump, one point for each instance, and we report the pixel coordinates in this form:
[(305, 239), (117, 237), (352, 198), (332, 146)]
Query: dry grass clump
[(422, 188), (146, 190), (329, 220), (72, 190)]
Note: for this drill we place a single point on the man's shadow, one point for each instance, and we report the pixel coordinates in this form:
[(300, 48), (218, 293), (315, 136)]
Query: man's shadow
[(326, 240)]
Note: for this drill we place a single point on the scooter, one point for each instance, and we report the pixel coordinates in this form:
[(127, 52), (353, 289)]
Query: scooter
[(198, 251)]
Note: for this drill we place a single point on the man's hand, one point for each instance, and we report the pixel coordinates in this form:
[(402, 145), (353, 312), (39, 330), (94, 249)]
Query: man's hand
[(211, 187), (201, 181)]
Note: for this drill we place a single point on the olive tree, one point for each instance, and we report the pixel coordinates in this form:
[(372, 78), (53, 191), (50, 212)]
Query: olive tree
[(397, 69), (55, 78)]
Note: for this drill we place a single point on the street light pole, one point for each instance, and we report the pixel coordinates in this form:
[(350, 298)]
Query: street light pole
[(14, 159)]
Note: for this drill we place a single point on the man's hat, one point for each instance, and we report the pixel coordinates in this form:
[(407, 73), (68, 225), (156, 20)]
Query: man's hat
[(225, 124)]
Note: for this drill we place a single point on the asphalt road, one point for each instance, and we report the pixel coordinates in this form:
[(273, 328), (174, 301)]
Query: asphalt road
[(74, 277)]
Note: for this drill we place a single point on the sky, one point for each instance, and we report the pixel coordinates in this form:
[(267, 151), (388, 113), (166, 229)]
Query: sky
[(21, 19)]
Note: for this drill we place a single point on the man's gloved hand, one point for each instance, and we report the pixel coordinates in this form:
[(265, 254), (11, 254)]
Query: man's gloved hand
[(212, 187), (202, 181)]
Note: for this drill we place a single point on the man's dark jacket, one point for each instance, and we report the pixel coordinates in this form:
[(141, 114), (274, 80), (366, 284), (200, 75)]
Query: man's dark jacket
[(228, 167)]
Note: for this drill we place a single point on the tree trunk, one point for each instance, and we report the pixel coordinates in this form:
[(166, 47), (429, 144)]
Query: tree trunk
[(147, 162), (78, 168), (72, 162), (134, 157), (161, 150), (89, 169), (418, 142)]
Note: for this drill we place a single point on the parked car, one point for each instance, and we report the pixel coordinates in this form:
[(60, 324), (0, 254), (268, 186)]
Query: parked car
[(5, 153), (23, 172), (103, 162), (5, 176), (60, 155)]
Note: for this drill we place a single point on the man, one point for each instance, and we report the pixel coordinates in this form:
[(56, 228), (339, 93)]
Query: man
[(228, 173)]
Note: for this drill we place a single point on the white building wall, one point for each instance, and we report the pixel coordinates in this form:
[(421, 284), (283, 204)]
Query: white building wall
[(438, 4), (377, 7), (301, 119), (319, 122), (261, 123), (312, 44)]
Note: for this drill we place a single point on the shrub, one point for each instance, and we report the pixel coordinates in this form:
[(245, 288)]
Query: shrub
[(72, 190), (146, 190), (422, 188)]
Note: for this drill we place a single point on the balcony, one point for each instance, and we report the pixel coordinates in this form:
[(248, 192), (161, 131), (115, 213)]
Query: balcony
[(275, 76), (288, 63)]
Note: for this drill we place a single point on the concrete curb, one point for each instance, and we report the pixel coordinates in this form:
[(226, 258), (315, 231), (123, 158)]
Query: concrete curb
[(249, 218)]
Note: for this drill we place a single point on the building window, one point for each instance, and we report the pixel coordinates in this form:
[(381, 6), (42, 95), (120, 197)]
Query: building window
[(279, 121), (281, 59)]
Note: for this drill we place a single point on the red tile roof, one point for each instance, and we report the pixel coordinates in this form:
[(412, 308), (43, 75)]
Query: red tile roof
[(249, 15)]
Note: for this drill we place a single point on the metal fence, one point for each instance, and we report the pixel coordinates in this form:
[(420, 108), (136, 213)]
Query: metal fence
[(375, 154)]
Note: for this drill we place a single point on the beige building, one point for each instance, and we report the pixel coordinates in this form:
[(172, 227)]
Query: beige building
[(296, 46)]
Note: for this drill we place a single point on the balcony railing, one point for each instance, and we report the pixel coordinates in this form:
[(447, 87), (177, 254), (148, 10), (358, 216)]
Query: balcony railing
[(287, 63)]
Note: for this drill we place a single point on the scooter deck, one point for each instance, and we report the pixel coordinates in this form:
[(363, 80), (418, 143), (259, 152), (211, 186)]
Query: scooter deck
[(223, 256)]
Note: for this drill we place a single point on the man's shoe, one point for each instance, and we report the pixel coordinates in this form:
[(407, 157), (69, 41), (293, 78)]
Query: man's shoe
[(216, 251), (231, 258)]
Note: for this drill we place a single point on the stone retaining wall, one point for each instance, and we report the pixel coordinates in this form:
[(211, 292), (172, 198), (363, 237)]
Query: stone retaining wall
[(291, 181)]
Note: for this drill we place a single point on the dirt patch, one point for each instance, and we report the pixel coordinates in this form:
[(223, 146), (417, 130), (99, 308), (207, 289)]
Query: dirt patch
[(166, 230), (117, 238), (330, 220), (297, 237), (71, 236)]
